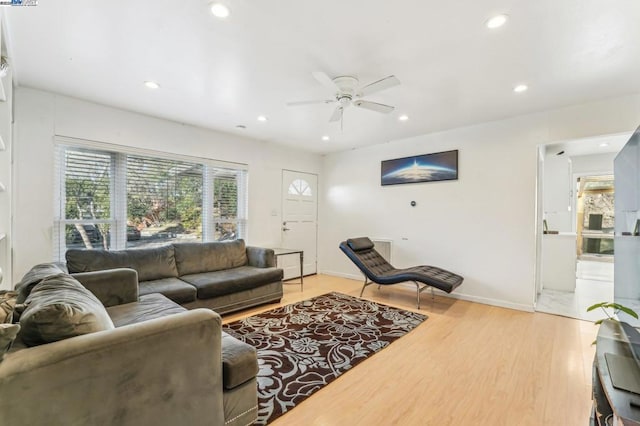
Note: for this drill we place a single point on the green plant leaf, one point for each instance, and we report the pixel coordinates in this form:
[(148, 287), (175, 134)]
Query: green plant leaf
[(596, 306), (628, 311), (612, 305)]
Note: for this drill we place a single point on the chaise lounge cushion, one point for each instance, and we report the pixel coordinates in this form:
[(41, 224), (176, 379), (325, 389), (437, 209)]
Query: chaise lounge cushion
[(358, 244), (149, 306), (151, 264), (174, 288), (194, 258), (238, 361), (238, 358), (220, 283), (60, 307)]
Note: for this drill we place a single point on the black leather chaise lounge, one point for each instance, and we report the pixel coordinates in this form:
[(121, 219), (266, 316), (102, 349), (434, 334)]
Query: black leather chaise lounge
[(361, 251)]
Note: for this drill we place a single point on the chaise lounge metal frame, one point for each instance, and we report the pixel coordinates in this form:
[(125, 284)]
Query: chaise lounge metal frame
[(377, 270)]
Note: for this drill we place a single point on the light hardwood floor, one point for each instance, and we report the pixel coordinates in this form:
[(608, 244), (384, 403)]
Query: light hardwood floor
[(468, 364)]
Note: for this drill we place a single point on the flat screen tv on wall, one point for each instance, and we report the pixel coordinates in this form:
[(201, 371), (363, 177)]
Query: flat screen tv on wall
[(420, 168)]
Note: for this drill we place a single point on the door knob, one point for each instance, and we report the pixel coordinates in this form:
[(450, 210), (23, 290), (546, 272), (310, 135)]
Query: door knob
[(284, 228)]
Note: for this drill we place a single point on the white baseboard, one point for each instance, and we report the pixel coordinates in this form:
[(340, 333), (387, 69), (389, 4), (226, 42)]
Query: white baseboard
[(356, 277), (460, 296)]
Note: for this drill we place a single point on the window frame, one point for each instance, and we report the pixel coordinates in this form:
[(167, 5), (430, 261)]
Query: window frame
[(118, 191)]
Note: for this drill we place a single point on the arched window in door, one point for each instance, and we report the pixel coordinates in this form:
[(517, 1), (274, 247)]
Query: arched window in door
[(300, 187)]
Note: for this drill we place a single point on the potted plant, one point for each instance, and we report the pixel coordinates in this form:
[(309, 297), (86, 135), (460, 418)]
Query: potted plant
[(616, 309)]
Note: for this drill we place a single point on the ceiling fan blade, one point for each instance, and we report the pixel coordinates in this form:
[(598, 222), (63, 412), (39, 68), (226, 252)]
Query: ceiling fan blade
[(323, 101), (337, 114), (325, 80), (374, 106), (379, 85)]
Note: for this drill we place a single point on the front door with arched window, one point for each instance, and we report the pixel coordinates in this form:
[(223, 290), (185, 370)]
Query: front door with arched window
[(299, 221)]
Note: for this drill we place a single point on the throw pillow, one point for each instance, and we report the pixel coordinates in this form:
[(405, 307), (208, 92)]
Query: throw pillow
[(35, 276), (60, 307), (7, 305), (8, 333)]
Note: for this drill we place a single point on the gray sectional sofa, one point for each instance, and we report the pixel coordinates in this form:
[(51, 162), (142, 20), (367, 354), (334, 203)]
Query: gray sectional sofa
[(223, 276), (150, 361)]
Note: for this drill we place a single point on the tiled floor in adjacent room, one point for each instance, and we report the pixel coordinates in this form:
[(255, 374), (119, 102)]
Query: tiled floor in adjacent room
[(594, 284)]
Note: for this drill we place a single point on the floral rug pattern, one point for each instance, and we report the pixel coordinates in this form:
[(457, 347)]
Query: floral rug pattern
[(306, 345)]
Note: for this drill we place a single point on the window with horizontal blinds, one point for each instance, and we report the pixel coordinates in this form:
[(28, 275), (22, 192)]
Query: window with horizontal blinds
[(88, 182), (115, 200), (86, 186), (228, 213), (164, 200)]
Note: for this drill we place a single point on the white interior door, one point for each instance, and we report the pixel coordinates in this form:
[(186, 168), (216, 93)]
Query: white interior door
[(299, 221)]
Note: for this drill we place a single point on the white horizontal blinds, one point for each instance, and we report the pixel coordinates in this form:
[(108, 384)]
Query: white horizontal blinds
[(119, 202), (112, 197), (229, 203), (58, 202), (84, 199), (164, 199), (243, 203), (87, 184)]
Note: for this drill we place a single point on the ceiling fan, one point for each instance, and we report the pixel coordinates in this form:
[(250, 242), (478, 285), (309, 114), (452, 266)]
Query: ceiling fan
[(347, 93)]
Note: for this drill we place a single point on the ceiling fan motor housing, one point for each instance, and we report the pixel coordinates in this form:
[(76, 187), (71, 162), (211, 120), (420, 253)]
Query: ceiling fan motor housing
[(346, 84)]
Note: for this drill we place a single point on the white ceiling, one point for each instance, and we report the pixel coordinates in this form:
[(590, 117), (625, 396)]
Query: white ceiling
[(219, 74), (588, 146)]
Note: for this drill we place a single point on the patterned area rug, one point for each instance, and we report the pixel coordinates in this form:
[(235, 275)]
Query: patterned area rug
[(306, 345)]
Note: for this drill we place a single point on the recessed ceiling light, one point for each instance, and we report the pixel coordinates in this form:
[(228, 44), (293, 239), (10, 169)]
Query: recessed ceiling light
[(219, 10), (497, 21), (603, 144), (520, 88), (325, 138), (262, 118), (403, 117), (152, 84)]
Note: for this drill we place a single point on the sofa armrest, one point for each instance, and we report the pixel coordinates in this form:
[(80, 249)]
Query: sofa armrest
[(261, 257), (162, 371), (111, 286)]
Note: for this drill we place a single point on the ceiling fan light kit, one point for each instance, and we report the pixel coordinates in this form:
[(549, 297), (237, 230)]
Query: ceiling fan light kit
[(347, 92)]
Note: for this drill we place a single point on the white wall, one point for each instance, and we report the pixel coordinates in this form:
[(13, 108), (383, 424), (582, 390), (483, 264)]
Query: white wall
[(557, 192), (595, 163), (5, 169), (481, 226), (41, 115)]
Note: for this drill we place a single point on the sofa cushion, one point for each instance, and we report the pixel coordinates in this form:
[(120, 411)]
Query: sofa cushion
[(33, 277), (239, 361), (150, 263), (173, 288), (60, 307), (149, 306), (220, 283), (194, 258)]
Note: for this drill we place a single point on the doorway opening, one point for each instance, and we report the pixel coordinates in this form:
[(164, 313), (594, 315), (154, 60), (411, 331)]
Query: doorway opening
[(575, 198), (595, 218)]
